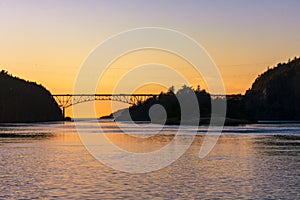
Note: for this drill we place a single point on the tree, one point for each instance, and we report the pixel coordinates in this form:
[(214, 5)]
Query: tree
[(171, 90)]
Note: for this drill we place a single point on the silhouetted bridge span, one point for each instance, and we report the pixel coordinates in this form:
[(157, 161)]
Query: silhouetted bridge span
[(67, 100)]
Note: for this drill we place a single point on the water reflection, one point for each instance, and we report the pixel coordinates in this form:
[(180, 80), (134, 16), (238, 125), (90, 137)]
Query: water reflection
[(255, 166), (25, 135), (280, 145)]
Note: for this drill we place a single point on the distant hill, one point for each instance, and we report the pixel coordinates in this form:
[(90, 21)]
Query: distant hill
[(169, 101), (23, 101), (275, 94), (173, 115)]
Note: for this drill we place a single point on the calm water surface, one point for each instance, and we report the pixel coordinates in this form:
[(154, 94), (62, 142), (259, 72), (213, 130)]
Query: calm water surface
[(49, 161)]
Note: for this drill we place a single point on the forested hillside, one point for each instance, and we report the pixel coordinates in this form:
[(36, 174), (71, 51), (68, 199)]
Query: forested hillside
[(23, 101), (275, 94)]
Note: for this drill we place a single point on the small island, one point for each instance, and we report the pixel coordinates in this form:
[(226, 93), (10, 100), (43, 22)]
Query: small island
[(23, 101), (275, 95)]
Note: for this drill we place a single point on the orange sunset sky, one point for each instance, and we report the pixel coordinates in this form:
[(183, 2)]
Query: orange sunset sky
[(47, 41)]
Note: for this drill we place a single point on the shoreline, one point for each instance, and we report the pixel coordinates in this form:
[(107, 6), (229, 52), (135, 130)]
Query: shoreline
[(203, 122)]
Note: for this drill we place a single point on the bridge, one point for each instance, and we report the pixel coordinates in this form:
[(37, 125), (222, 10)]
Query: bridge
[(67, 100)]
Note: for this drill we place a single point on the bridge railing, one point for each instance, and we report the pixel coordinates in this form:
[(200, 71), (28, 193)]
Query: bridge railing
[(67, 100)]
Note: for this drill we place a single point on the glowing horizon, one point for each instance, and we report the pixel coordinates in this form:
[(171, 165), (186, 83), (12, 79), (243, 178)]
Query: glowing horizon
[(47, 41)]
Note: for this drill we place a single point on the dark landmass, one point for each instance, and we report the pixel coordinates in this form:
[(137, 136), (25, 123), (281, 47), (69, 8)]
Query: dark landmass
[(274, 95), (140, 112), (23, 101), (68, 119), (107, 117)]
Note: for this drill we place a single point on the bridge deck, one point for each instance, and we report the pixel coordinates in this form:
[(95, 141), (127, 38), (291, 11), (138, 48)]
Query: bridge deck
[(66, 100), (102, 95)]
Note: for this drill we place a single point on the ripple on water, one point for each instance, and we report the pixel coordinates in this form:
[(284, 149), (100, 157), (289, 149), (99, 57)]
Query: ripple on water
[(241, 165)]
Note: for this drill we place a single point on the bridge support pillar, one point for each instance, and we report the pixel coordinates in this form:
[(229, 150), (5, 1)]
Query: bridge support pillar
[(63, 112)]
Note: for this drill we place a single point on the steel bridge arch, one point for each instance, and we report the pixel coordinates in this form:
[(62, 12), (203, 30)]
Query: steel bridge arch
[(67, 100)]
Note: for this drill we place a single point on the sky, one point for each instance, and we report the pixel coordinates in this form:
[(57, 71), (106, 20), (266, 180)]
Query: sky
[(47, 41)]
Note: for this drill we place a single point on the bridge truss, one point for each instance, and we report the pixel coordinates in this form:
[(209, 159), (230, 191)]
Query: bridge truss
[(67, 100)]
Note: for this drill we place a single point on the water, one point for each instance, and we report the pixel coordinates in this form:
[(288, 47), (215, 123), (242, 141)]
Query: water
[(49, 161)]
